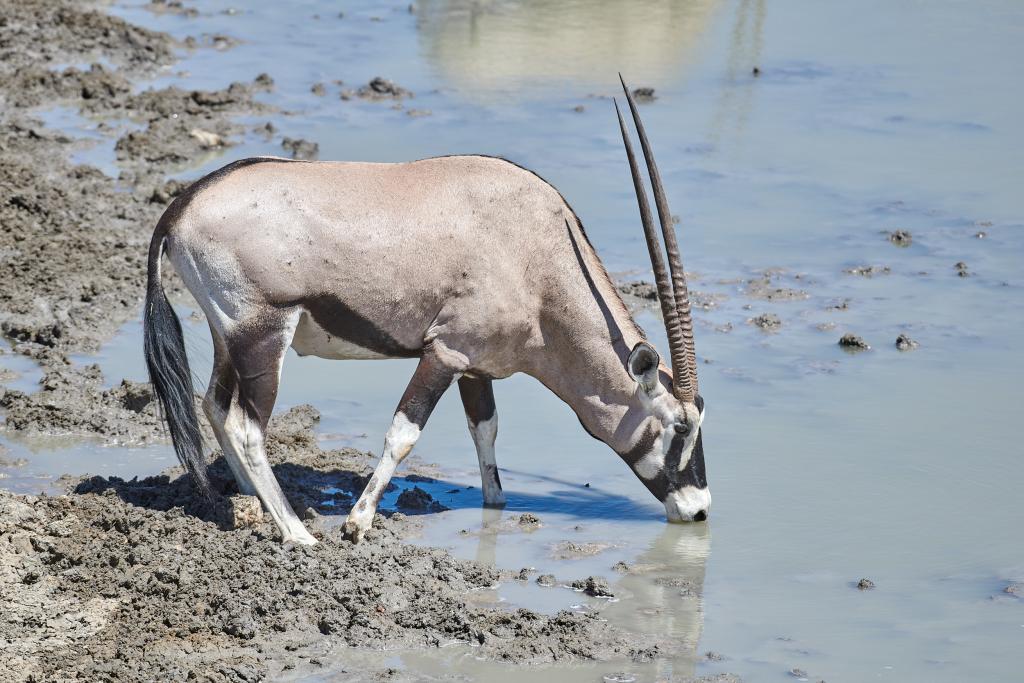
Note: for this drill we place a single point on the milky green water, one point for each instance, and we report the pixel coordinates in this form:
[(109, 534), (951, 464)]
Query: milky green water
[(825, 466)]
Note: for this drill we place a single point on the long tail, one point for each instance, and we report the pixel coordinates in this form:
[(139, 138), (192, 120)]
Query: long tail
[(168, 368)]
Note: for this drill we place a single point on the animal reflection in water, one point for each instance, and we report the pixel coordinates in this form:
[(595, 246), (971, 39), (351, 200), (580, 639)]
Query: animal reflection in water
[(661, 592), (473, 265)]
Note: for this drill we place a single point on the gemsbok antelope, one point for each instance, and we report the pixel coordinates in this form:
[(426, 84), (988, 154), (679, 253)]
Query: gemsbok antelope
[(472, 264)]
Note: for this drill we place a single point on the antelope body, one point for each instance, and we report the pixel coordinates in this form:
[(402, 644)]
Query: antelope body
[(472, 264)]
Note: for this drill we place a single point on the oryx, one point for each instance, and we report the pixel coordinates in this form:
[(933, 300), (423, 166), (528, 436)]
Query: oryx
[(472, 264)]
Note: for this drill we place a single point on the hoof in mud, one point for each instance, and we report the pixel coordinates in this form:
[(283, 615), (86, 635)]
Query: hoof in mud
[(297, 538), (353, 531)]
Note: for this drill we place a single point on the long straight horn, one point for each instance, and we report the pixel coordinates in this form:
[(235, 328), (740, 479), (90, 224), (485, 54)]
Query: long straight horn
[(677, 349), (686, 385)]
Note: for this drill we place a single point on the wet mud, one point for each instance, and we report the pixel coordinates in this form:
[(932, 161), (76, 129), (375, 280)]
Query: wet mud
[(222, 600)]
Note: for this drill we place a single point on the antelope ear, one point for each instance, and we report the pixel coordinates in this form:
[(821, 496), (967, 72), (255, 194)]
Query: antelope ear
[(643, 366)]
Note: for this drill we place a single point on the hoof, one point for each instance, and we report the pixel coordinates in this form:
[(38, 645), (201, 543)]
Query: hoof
[(353, 531)]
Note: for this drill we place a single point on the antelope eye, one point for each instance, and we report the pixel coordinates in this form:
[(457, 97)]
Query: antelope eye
[(682, 428)]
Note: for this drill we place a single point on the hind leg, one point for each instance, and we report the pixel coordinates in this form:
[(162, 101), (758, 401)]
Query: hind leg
[(239, 404), (478, 400)]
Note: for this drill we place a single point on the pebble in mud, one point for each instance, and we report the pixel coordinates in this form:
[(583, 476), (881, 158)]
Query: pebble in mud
[(865, 584), (246, 512), (905, 343), (300, 148), (852, 342)]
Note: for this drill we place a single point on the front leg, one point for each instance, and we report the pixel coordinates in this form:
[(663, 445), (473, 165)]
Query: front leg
[(434, 374), (478, 400)]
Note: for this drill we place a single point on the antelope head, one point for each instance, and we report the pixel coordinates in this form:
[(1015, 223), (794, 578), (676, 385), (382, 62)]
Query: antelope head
[(668, 456)]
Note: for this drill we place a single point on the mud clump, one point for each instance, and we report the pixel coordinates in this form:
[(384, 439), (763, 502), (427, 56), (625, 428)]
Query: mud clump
[(1015, 589), (767, 287), (417, 500), (594, 586), (546, 580), (851, 342), (639, 289), (901, 238), (769, 322), (300, 148), (569, 550), (529, 521), (378, 89), (961, 269), (905, 343), (645, 95), (865, 584), (868, 271)]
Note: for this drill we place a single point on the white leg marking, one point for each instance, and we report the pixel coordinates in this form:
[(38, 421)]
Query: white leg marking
[(259, 472), (398, 442), (484, 433)]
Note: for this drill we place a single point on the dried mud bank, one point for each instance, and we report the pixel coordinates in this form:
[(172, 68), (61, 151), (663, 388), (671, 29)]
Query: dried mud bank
[(73, 241), (146, 580)]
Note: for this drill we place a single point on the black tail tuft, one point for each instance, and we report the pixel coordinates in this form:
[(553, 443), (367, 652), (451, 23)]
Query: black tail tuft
[(169, 372)]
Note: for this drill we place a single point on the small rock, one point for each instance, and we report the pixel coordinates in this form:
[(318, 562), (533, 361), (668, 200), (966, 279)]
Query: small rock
[(579, 109), (546, 580), (798, 673), (981, 234), (594, 586), (264, 81), (865, 584), (1016, 589), (621, 567), (961, 269), (756, 71), (418, 113), (246, 512), (318, 89), (853, 342), (713, 656), (905, 343), (901, 238), (301, 149)]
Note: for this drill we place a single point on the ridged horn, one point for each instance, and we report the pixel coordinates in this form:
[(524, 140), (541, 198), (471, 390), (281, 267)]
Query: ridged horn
[(685, 385), (677, 348)]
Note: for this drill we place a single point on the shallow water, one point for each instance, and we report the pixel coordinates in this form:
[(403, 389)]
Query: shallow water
[(825, 466)]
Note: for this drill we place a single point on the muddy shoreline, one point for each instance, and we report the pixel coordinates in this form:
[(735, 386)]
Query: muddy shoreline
[(143, 580)]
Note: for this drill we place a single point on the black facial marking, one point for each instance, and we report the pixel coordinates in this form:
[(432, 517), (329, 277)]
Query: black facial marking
[(693, 474)]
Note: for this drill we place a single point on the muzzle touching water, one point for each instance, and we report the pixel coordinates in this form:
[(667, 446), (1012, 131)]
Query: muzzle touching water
[(688, 504)]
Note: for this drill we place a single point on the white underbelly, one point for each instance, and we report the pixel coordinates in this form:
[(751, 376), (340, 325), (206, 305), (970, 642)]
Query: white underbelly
[(312, 340)]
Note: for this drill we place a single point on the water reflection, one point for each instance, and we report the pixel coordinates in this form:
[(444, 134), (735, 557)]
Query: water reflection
[(746, 42), (488, 46)]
